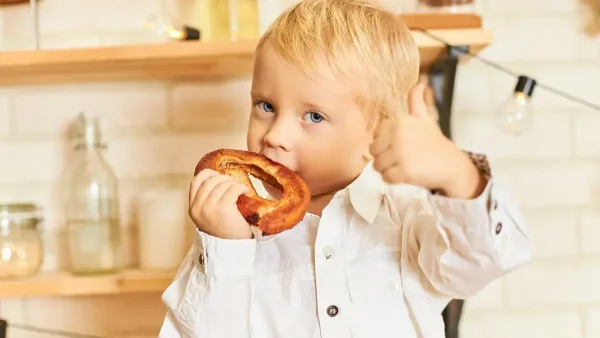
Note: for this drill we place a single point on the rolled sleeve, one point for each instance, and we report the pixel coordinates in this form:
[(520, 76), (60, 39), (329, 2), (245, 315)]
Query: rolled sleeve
[(225, 258)]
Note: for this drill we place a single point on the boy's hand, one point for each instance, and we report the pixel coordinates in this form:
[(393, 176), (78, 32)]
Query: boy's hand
[(412, 149), (213, 206)]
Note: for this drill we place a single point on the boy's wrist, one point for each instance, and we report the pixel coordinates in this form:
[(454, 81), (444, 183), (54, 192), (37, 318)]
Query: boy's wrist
[(467, 176)]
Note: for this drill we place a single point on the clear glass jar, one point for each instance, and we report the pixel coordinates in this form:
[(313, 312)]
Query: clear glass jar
[(21, 248), (93, 230)]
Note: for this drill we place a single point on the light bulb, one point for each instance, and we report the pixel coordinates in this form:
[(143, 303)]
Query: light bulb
[(515, 114), (166, 31), (163, 27)]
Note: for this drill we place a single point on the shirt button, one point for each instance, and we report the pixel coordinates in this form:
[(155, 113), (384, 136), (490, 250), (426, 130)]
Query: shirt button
[(328, 252), (201, 259), (498, 228), (332, 311), (495, 205)]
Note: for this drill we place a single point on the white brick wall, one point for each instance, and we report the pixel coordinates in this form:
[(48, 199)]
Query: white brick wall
[(156, 131), (4, 116), (524, 324), (554, 170)]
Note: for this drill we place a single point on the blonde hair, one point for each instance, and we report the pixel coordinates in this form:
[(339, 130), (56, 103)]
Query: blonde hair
[(357, 38)]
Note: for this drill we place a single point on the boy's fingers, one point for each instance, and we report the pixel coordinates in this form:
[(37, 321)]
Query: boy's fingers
[(197, 182), (233, 193), (207, 186)]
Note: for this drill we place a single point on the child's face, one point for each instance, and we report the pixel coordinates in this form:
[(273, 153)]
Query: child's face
[(312, 125)]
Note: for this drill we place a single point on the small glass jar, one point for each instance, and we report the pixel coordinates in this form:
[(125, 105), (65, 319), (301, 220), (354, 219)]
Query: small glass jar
[(21, 249)]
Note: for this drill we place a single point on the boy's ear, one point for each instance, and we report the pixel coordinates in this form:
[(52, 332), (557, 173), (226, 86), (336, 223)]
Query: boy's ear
[(416, 100)]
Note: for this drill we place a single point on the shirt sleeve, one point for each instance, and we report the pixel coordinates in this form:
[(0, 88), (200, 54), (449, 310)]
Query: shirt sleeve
[(461, 245), (210, 294)]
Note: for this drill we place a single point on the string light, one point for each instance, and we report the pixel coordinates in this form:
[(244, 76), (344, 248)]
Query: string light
[(514, 115)]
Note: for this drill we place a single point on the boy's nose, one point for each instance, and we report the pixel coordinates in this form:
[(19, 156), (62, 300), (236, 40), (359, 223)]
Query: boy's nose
[(279, 136)]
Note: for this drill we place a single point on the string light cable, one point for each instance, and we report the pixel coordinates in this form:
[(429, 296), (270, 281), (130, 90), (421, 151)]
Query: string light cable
[(514, 74)]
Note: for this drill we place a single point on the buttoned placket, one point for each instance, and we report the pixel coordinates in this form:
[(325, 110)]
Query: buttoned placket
[(329, 270)]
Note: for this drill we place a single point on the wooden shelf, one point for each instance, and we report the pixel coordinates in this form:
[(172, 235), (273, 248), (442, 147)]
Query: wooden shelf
[(193, 60), (168, 61), (442, 20), (64, 284)]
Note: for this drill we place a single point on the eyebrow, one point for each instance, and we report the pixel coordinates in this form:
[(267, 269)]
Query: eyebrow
[(258, 93)]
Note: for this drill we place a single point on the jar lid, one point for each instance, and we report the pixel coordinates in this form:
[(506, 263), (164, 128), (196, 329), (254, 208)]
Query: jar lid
[(19, 214)]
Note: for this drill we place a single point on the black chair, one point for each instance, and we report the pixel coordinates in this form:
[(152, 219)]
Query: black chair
[(3, 327), (451, 315)]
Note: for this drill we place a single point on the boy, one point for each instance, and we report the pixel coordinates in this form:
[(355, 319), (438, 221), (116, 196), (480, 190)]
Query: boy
[(401, 221)]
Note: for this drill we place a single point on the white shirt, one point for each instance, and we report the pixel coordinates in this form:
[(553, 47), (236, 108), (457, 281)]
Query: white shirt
[(382, 261)]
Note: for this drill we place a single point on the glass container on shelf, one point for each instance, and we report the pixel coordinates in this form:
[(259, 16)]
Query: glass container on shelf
[(225, 20), (21, 248), (93, 231)]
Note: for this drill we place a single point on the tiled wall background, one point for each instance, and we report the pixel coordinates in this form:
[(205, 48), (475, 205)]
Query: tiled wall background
[(156, 131)]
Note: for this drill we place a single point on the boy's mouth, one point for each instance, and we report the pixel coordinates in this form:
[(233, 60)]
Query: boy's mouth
[(272, 158)]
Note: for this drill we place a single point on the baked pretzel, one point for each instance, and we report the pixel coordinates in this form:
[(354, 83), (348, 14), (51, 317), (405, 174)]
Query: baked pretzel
[(271, 217)]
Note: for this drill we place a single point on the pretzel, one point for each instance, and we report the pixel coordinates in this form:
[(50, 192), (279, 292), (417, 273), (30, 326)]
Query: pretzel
[(271, 217)]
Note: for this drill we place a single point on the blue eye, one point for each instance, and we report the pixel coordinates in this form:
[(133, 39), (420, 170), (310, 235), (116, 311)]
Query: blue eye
[(265, 106), (313, 117)]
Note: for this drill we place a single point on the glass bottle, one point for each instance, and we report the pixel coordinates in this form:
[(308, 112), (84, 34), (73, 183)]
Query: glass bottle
[(92, 204), (244, 19), (226, 20)]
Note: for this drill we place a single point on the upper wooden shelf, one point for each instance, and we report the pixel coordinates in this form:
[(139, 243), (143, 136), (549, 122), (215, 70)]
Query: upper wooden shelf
[(65, 284), (194, 60)]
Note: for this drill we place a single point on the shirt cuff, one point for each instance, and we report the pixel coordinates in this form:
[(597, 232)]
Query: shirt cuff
[(224, 258), (462, 211)]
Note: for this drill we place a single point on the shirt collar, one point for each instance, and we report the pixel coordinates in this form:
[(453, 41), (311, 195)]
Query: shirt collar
[(366, 193)]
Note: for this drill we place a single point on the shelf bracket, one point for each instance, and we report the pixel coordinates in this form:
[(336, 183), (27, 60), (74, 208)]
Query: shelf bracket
[(442, 78)]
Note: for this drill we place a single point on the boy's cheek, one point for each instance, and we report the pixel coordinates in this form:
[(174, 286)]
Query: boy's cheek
[(253, 139)]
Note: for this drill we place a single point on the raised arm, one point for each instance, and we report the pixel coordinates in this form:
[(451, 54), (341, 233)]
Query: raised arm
[(463, 245)]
